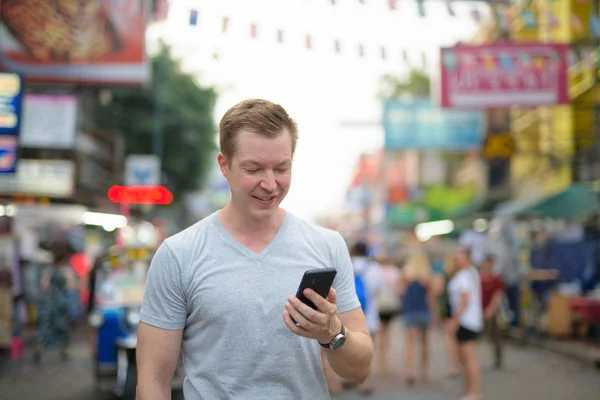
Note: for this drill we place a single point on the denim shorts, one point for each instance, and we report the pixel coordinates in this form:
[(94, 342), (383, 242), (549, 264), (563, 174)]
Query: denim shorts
[(417, 319)]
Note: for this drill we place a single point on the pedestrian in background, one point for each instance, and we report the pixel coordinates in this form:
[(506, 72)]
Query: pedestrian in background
[(368, 271), (417, 297), (54, 323), (492, 292), (445, 314), (388, 301), (467, 318)]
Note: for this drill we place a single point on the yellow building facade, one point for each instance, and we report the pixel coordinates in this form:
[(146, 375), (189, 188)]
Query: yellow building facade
[(548, 139)]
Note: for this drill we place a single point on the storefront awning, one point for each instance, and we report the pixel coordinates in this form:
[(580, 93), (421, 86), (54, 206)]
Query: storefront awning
[(577, 202)]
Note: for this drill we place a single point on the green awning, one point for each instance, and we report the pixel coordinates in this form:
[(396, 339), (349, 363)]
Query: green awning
[(577, 202)]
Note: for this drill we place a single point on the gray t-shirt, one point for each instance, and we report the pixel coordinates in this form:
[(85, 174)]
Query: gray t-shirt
[(229, 301)]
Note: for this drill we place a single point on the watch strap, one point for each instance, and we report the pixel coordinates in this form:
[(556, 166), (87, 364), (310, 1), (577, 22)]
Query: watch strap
[(328, 345)]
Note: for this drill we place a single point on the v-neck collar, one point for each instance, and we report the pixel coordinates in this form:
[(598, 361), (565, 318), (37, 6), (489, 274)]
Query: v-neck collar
[(243, 249)]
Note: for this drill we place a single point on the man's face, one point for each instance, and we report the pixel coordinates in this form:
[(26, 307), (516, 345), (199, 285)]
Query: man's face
[(259, 173)]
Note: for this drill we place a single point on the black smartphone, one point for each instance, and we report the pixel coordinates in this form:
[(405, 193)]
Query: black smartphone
[(319, 280)]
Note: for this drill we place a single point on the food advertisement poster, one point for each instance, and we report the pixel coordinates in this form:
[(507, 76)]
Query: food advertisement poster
[(90, 42)]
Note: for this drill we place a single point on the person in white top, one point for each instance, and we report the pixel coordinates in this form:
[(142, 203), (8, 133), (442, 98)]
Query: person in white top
[(467, 318)]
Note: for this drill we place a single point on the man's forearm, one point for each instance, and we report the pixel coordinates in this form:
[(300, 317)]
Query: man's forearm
[(353, 360), (153, 389)]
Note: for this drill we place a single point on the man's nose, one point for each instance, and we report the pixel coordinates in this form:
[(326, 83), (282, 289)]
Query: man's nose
[(268, 182)]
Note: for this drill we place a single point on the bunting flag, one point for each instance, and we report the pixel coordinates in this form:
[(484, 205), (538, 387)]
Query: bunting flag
[(595, 25), (421, 8), (450, 9), (193, 17), (405, 56), (224, 24), (381, 52)]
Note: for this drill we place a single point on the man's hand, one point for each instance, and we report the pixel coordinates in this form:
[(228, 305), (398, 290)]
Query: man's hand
[(321, 324), (489, 313)]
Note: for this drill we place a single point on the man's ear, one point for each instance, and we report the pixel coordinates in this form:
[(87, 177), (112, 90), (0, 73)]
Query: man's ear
[(223, 164)]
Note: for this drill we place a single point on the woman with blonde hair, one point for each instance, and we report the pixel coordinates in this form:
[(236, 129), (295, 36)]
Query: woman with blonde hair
[(417, 302)]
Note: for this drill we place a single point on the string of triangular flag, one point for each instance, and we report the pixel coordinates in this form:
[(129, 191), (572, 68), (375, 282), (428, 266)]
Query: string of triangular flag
[(194, 20), (393, 6)]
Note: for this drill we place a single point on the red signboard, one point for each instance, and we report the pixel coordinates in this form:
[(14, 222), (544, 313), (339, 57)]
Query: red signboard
[(75, 41), (503, 75), (140, 195)]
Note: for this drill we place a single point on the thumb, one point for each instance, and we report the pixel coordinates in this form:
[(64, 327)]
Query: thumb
[(332, 297)]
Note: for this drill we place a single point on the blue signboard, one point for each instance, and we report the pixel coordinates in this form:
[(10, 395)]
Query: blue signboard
[(11, 100), (421, 125)]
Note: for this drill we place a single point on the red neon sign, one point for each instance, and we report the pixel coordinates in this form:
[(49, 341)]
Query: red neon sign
[(140, 195)]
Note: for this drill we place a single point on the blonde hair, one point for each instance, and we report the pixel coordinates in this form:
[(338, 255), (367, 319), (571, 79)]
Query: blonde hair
[(417, 266), (449, 265), (256, 115)]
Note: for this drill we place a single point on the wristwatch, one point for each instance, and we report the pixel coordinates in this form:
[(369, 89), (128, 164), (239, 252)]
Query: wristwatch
[(337, 342)]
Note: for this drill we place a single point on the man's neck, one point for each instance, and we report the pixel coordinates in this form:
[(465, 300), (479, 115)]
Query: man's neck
[(236, 222)]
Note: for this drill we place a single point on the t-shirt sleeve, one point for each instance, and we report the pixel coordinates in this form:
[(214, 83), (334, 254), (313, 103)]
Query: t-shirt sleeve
[(344, 280), (164, 304), (463, 283)]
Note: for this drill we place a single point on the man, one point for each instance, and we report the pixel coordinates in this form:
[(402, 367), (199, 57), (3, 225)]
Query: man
[(492, 290), (223, 289)]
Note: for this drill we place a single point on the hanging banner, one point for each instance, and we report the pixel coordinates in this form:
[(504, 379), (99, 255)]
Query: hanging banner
[(503, 75), (421, 125), (67, 42)]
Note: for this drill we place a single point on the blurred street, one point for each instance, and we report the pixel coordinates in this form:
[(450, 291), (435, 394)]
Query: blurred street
[(530, 374)]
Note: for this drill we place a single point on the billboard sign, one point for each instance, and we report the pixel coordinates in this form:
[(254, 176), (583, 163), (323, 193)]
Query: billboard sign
[(49, 121), (11, 100), (504, 75), (421, 125), (75, 41), (142, 170)]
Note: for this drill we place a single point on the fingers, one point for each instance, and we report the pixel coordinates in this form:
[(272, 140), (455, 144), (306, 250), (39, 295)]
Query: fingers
[(298, 330), (332, 297), (301, 319), (322, 304)]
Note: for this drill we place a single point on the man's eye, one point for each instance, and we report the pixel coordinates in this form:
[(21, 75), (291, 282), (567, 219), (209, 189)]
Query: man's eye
[(281, 169), (252, 171)]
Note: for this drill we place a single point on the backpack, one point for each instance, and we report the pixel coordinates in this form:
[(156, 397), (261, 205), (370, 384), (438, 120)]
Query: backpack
[(361, 291)]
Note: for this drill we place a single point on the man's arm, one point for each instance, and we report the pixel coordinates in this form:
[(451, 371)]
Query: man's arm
[(353, 360), (157, 354)]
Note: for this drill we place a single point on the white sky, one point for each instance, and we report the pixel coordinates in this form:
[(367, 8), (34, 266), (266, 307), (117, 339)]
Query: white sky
[(318, 87)]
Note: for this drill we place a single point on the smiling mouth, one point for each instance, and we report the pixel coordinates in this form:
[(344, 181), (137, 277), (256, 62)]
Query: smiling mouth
[(265, 199)]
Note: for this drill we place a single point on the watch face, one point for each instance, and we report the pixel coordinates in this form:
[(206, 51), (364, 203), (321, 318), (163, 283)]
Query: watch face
[(338, 342)]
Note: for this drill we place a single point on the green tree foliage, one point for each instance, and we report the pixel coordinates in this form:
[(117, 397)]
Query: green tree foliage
[(417, 85), (188, 127)]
